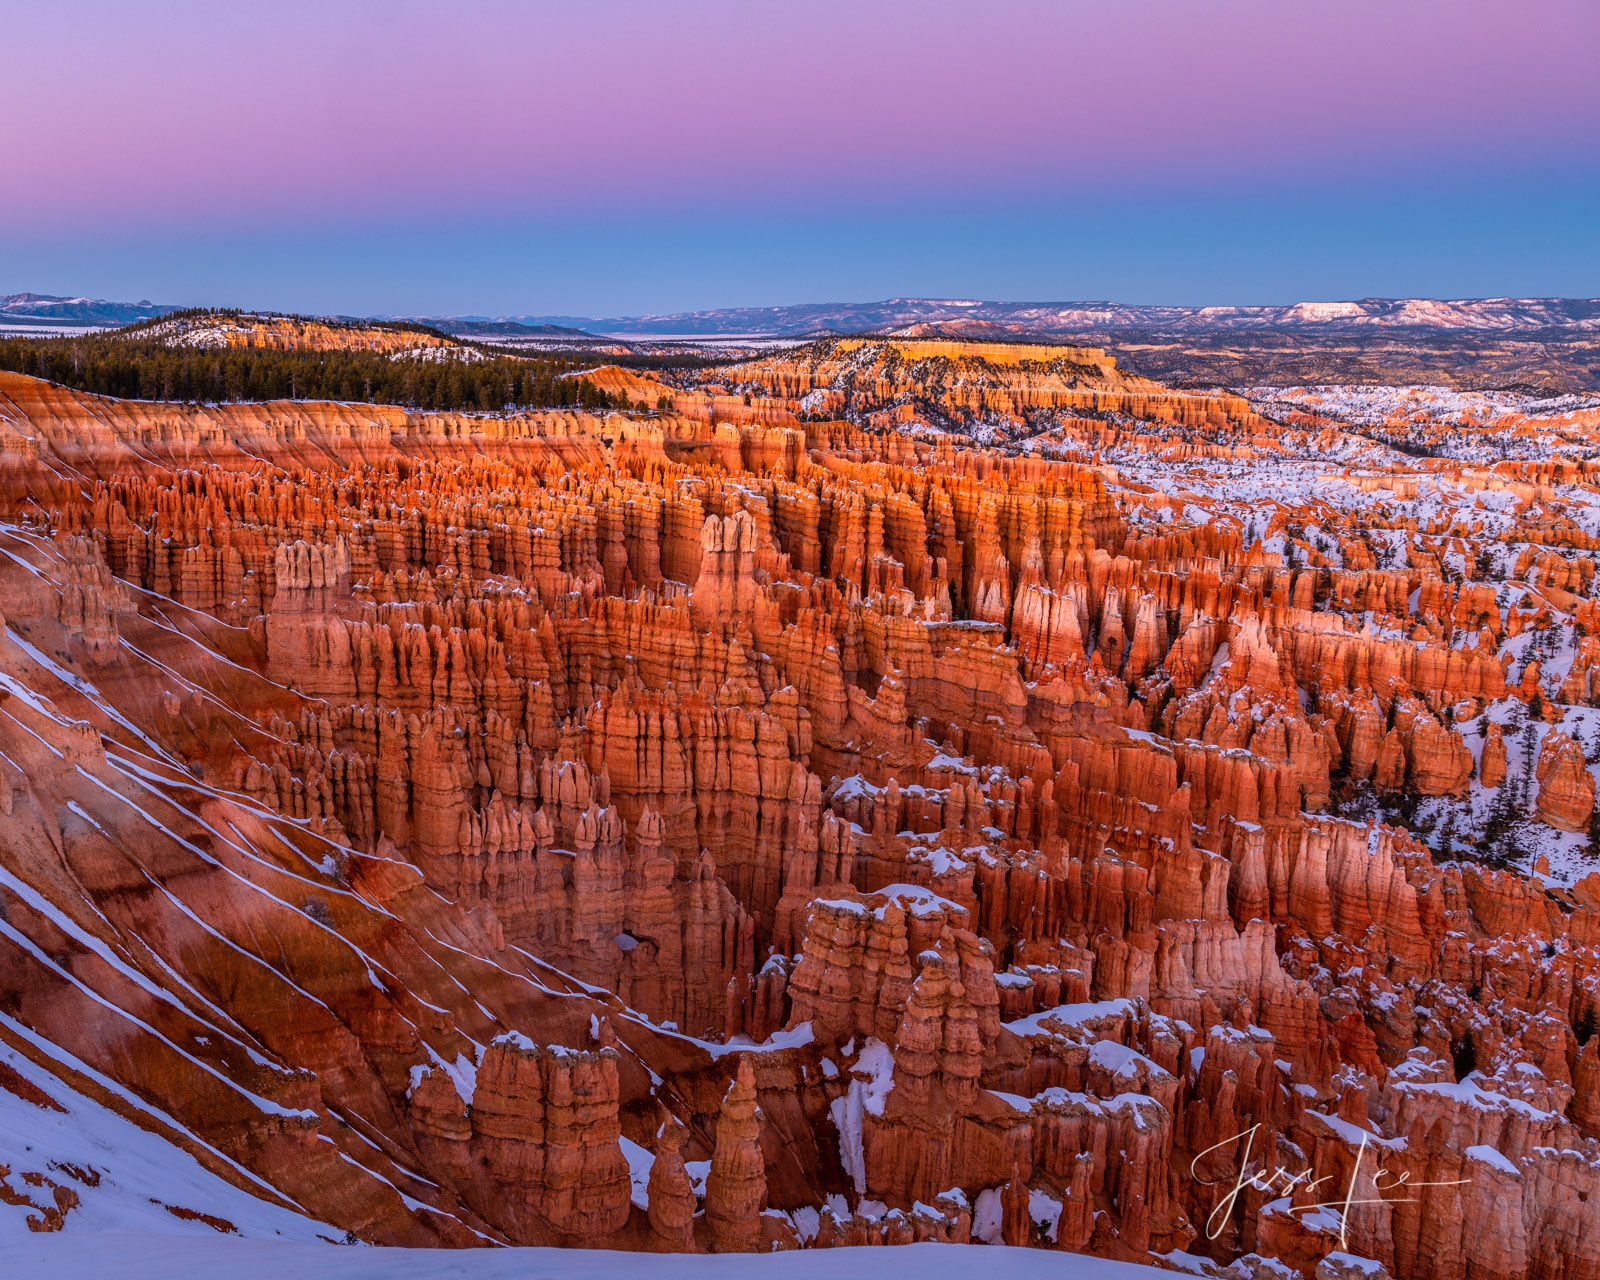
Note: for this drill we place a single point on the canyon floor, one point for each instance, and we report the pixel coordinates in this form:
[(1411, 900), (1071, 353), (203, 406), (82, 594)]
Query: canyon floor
[(878, 791)]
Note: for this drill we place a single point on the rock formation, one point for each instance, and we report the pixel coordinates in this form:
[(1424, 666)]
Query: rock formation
[(740, 826)]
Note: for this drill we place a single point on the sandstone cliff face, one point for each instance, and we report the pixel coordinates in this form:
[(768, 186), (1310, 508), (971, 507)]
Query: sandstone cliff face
[(290, 333), (437, 819)]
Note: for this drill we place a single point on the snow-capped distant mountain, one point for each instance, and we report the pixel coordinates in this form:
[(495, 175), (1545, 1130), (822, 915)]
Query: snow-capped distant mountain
[(47, 309), (1569, 317), (1485, 315)]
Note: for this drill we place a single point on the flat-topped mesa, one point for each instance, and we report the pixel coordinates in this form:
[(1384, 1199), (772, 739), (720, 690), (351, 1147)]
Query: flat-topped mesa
[(216, 330), (888, 382), (1001, 353)]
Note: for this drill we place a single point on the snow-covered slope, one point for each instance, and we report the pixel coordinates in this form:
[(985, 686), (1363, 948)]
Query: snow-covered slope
[(59, 1146), (135, 1257)]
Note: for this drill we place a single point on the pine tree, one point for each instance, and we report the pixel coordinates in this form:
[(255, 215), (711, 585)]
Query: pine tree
[(128, 364), (1528, 743)]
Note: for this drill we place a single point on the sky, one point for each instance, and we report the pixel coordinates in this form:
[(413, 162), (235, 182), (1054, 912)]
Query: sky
[(618, 157)]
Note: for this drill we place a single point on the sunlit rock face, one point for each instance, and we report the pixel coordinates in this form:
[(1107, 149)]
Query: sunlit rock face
[(741, 826)]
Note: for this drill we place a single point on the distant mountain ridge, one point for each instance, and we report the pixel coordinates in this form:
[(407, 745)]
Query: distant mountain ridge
[(44, 308), (980, 318), (470, 328), (1569, 317)]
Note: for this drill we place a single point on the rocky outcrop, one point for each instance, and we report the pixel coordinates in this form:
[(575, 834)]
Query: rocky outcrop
[(1566, 786), (1492, 767), (544, 1127)]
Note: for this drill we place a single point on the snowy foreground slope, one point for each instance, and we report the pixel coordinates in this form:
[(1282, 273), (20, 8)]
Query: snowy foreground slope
[(147, 1257), (106, 1173), (138, 1221)]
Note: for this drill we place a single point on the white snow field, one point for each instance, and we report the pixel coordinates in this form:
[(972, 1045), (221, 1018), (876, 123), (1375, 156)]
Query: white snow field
[(118, 1256)]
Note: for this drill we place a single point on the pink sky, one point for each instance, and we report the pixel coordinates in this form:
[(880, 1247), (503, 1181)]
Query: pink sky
[(245, 126), (157, 110)]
